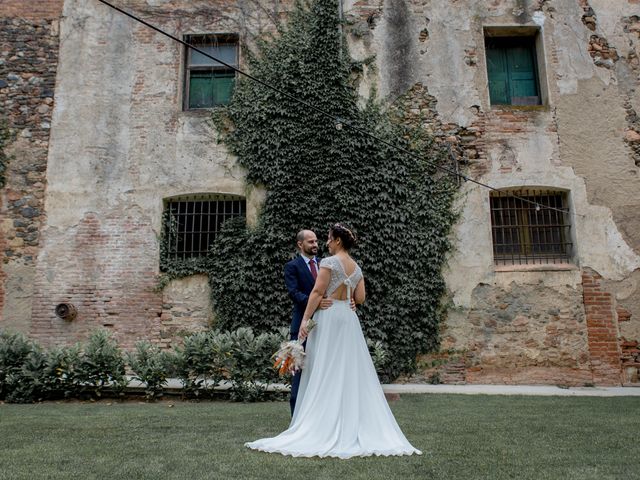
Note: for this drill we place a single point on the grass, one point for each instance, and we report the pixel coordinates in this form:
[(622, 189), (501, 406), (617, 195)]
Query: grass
[(462, 437)]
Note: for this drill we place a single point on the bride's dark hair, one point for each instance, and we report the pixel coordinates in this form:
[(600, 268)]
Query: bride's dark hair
[(348, 238)]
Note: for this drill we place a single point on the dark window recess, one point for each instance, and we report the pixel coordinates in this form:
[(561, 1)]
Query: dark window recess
[(526, 235), (191, 226), (209, 83), (512, 71)]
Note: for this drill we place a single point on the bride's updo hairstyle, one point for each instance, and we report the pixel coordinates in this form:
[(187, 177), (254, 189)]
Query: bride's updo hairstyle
[(346, 236)]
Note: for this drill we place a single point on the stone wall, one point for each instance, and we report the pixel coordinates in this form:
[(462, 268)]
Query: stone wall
[(186, 308), (28, 63)]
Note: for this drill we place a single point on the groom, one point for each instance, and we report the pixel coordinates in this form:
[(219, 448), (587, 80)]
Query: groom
[(300, 276)]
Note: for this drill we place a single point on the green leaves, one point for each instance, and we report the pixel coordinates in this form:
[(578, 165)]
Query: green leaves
[(101, 365), (151, 366), (207, 359), (315, 175), (28, 373)]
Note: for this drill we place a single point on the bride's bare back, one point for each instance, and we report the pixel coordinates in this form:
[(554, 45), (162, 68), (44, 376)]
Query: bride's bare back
[(343, 268)]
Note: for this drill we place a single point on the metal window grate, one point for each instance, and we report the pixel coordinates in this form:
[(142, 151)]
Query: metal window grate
[(193, 224), (526, 235)]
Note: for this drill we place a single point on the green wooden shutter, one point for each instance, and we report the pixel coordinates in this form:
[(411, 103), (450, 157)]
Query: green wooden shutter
[(511, 69), (522, 72), (498, 76), (223, 87), (200, 90)]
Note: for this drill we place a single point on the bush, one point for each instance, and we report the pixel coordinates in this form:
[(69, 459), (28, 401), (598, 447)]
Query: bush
[(201, 363), (151, 366), (62, 372), (378, 354), (101, 365), (22, 369), (250, 366), (208, 359)]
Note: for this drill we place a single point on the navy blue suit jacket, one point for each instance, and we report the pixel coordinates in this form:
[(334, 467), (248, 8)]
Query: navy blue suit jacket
[(300, 282)]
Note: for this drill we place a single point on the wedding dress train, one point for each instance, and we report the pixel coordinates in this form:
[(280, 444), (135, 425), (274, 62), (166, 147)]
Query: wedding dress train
[(341, 410)]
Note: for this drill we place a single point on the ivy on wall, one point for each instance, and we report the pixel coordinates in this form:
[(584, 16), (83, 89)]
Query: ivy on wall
[(315, 174)]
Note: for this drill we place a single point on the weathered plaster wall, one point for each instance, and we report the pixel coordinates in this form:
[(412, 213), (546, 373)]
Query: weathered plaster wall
[(120, 144), (581, 140)]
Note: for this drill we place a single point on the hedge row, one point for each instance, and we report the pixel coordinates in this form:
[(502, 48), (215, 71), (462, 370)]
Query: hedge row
[(240, 358)]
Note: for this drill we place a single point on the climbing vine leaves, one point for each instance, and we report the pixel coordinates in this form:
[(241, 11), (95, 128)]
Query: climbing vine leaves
[(316, 174)]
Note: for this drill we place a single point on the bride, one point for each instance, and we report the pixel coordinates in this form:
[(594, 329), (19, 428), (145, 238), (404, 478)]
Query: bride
[(341, 410)]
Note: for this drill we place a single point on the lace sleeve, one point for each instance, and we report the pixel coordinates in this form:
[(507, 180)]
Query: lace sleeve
[(327, 263)]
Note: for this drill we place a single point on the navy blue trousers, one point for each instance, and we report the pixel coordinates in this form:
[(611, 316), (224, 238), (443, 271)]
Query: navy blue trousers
[(295, 381)]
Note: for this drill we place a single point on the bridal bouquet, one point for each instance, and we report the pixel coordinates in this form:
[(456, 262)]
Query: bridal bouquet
[(290, 357)]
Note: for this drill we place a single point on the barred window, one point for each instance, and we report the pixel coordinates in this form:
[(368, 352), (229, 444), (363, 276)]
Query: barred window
[(525, 232), (209, 83), (193, 222)]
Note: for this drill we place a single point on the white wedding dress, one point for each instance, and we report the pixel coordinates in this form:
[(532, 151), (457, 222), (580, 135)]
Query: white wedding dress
[(341, 410)]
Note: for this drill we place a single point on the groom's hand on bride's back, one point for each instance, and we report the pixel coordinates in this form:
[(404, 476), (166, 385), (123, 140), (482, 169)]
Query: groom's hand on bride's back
[(325, 303)]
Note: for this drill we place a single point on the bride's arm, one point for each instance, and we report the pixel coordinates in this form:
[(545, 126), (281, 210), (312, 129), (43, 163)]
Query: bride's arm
[(359, 293), (320, 287)]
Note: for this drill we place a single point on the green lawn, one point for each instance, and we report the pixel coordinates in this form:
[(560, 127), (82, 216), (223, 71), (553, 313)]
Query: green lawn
[(463, 437)]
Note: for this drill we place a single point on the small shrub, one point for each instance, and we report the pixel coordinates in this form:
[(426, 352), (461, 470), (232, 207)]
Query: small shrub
[(151, 367), (22, 369), (207, 359), (378, 354), (251, 368), (201, 363), (101, 365), (62, 372)]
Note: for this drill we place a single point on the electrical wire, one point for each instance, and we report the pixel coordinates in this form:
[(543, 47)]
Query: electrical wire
[(339, 122)]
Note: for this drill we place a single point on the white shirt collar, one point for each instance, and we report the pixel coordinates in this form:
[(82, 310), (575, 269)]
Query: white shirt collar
[(307, 259)]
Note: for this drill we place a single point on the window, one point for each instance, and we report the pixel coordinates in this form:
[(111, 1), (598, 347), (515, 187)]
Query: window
[(525, 232), (512, 70), (192, 223), (209, 83)]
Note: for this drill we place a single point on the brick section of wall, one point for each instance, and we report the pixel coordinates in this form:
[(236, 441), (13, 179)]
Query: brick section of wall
[(106, 268), (28, 64), (41, 9), (602, 330), (440, 367)]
